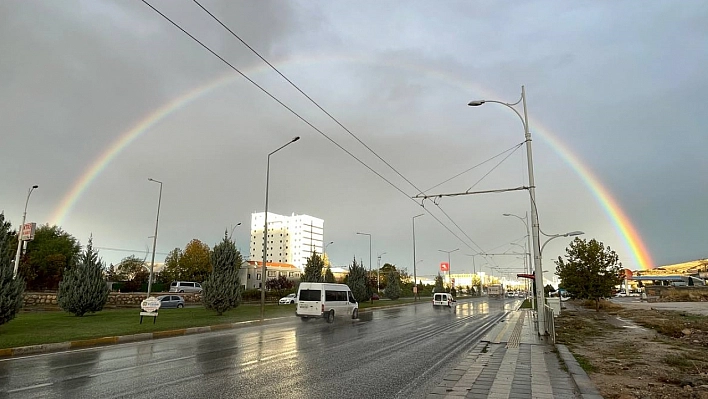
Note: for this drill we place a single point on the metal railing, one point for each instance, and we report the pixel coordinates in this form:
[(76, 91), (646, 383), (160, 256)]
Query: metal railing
[(550, 322)]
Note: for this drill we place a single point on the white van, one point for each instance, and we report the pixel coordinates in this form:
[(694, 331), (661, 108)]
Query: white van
[(443, 299), (326, 301), (185, 286)]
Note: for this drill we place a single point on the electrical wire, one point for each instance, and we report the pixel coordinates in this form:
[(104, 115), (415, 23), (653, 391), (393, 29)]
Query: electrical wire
[(303, 119), (495, 166)]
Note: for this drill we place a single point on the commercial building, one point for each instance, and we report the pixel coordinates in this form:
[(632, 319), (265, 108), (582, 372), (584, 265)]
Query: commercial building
[(291, 239)]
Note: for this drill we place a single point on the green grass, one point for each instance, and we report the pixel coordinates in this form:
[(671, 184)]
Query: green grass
[(526, 304), (42, 327), (584, 363), (32, 328)]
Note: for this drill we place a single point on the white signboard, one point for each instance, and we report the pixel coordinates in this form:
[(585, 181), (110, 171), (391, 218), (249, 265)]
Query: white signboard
[(27, 233), (150, 304)]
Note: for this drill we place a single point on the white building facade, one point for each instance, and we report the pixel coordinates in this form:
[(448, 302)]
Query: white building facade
[(291, 239)]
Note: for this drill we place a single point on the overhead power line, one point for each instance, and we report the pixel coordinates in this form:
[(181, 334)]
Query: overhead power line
[(297, 115)]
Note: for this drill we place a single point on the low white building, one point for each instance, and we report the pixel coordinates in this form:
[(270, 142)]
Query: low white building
[(251, 272)]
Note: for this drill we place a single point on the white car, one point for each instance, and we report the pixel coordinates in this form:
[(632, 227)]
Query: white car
[(287, 300)]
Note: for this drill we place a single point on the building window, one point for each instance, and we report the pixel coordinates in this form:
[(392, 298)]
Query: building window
[(271, 273)]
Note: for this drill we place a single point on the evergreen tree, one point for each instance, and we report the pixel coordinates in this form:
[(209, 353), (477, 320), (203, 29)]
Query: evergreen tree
[(313, 269), (439, 287), (83, 288), (329, 276), (393, 287), (590, 271), (221, 291), (358, 282), (11, 289)]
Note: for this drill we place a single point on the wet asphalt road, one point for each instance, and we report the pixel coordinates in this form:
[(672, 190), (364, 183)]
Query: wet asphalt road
[(399, 352)]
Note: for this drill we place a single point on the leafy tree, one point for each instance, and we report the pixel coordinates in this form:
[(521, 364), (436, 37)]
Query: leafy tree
[(329, 276), (172, 270), (112, 273), (196, 261), (11, 289), (83, 288), (313, 269), (590, 271), (221, 290), (280, 284), (384, 271), (129, 267), (393, 288), (47, 257), (358, 281), (439, 286)]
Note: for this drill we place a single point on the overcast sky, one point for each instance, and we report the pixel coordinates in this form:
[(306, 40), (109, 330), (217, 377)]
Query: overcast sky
[(620, 85)]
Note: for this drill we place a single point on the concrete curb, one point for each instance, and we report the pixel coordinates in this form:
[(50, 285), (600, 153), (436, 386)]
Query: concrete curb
[(580, 378)]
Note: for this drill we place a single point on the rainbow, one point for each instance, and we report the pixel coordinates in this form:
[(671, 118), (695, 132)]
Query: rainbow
[(621, 222)]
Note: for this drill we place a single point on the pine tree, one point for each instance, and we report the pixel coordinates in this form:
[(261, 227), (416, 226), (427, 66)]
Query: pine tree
[(11, 289), (83, 288), (393, 288), (329, 276), (313, 269), (221, 291), (358, 282)]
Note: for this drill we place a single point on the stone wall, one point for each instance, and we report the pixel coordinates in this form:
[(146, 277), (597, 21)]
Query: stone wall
[(678, 294), (115, 299)]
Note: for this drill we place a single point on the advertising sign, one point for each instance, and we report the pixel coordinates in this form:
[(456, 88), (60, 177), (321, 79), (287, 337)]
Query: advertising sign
[(150, 304), (28, 231), (444, 267)]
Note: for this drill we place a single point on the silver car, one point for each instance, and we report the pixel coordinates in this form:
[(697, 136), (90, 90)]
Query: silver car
[(171, 301), (289, 299)]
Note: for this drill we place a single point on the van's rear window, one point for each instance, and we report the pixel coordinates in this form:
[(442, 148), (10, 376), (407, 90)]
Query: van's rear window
[(310, 295)]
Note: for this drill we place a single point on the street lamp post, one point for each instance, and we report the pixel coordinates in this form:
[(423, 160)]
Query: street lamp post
[(154, 238), (554, 236), (234, 228), (474, 272), (265, 226), (325, 248), (528, 235), (449, 268), (378, 272), (367, 234), (415, 278), (19, 232), (538, 272)]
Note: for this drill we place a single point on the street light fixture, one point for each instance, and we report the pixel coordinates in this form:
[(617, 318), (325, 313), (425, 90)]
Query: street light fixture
[(449, 268), (265, 226), (541, 318), (570, 234), (154, 238), (415, 278), (232, 230), (324, 253), (19, 232)]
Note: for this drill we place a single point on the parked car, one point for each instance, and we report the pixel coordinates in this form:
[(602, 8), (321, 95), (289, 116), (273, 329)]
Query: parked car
[(288, 299), (375, 297), (185, 286), (171, 301)]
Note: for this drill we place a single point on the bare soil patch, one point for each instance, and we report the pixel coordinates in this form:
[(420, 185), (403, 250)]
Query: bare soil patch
[(638, 353)]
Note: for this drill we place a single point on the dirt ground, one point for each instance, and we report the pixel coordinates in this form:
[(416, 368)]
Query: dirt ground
[(633, 352)]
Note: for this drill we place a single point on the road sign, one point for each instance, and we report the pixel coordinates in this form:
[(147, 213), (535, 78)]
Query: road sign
[(444, 267), (28, 231), (150, 304)]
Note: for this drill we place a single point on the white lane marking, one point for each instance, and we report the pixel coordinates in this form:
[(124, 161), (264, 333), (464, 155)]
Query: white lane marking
[(46, 384)]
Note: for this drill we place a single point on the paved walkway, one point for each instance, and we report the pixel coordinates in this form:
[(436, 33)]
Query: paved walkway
[(512, 361)]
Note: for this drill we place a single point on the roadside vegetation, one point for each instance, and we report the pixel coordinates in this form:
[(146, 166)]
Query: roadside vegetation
[(637, 353)]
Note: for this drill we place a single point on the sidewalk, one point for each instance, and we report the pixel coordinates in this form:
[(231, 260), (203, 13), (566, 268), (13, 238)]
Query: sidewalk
[(513, 361)]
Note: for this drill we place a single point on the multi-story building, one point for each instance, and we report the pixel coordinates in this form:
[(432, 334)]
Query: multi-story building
[(291, 239)]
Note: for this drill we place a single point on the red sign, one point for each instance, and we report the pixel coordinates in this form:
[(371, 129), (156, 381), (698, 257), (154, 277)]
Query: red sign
[(27, 233), (444, 267)]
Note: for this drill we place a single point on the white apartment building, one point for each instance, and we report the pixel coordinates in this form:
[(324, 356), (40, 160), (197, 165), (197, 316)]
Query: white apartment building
[(291, 239)]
